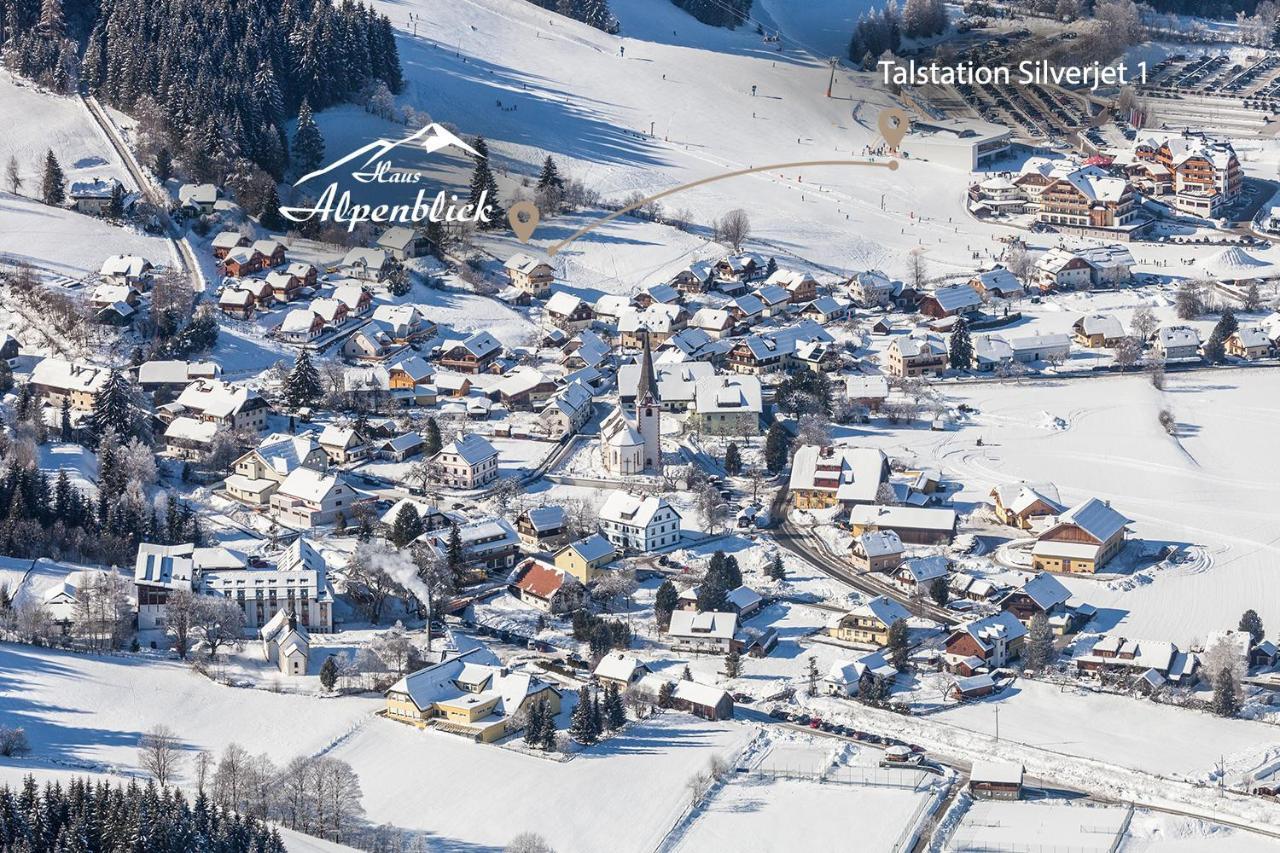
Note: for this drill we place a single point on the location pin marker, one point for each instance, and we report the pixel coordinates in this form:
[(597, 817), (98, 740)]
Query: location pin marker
[(893, 125), (523, 217)]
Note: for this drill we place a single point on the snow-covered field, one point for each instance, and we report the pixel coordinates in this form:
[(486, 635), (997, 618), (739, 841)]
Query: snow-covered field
[(622, 795), (88, 710), (759, 815)]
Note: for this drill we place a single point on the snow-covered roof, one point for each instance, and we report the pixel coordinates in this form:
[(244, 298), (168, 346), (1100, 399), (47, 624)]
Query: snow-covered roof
[(1045, 590), (308, 484), (925, 569), (619, 666), (634, 510), (1106, 325), (996, 772), (592, 548), (713, 624), (727, 394), (910, 517), (957, 297), (986, 631), (130, 266), (471, 448), (69, 376), (168, 566), (1096, 518), (879, 543), (542, 518), (883, 609), (216, 398), (563, 303), (853, 473), (190, 429)]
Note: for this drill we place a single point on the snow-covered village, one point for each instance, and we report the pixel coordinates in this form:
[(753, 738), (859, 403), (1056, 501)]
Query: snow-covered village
[(418, 417)]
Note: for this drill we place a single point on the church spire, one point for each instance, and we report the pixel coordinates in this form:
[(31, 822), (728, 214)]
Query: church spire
[(647, 391)]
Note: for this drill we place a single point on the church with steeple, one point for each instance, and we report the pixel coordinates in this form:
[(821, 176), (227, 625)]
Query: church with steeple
[(631, 441)]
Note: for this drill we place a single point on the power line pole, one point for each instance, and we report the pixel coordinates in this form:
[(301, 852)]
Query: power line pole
[(833, 61)]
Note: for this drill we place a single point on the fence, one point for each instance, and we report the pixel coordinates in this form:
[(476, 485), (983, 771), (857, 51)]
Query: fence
[(872, 777)]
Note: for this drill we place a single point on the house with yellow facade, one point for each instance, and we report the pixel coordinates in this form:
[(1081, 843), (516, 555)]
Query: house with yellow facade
[(585, 558), (1082, 539), (1022, 504), (469, 694), (869, 623), (822, 477)]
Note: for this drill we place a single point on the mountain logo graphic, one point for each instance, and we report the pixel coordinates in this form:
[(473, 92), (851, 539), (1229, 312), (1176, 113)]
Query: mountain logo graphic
[(430, 139)]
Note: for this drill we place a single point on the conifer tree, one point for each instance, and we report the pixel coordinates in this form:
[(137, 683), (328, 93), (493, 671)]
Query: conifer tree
[(484, 189), (302, 386), (615, 709), (455, 558), (329, 673), (776, 570), (53, 186), (113, 407), (961, 355), (406, 527), (533, 725), (308, 143), (1251, 623), (269, 215), (733, 663), (732, 460), (666, 694), (550, 178), (1225, 701), (899, 647), (64, 421), (163, 165), (776, 447), (664, 603), (1039, 647), (433, 443), (582, 724)]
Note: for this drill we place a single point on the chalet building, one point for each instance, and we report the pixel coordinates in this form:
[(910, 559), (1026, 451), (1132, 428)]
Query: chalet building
[(371, 265), (1083, 540), (188, 438), (876, 551), (691, 697), (867, 390), (158, 572), (544, 587), (258, 473), (404, 323), (916, 575), (868, 623), (956, 300), (727, 405), (822, 477), (272, 252), (743, 268), (242, 261), (530, 275), (1176, 344), (915, 525), (847, 677), (198, 198), (56, 380), (524, 389), (711, 632), (620, 669), (1043, 595), (471, 695), (998, 283), (490, 546), (131, 270), (569, 312), (1089, 197), (167, 379), (1249, 342), (994, 640), (233, 407), (1116, 655), (996, 780), (586, 558), (404, 243), (1062, 269), (825, 309), (873, 289), (1023, 505), (238, 303), (641, 524), (308, 498), (225, 241), (343, 444), (1203, 176), (567, 411), (473, 354), (1098, 330), (543, 529), (467, 462), (355, 297), (801, 288), (917, 356), (716, 322)]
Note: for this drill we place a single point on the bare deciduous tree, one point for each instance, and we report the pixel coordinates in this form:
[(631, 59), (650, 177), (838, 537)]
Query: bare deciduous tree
[(160, 754), (219, 621), (733, 228), (181, 611)]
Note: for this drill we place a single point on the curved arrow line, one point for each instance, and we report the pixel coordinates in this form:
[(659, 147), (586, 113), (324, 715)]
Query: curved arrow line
[(552, 250)]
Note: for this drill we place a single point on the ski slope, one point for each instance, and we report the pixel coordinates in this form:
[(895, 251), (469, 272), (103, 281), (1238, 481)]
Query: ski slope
[(534, 83)]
